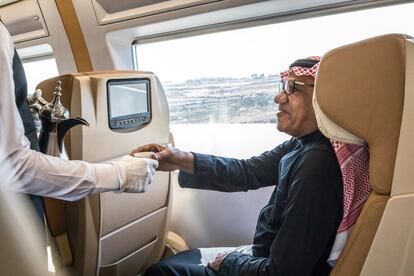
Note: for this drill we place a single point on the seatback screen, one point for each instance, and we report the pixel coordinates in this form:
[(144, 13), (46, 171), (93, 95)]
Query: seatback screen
[(128, 103)]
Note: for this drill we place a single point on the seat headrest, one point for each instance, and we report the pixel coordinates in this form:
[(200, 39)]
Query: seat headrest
[(359, 94)]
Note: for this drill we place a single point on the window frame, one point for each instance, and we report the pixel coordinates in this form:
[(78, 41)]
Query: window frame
[(255, 21)]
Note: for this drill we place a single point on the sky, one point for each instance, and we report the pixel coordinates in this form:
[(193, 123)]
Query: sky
[(268, 49)]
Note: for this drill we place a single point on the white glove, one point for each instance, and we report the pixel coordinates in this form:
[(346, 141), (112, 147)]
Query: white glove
[(139, 173)]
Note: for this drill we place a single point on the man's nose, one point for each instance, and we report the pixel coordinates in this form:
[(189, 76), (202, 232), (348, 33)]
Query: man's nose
[(281, 98)]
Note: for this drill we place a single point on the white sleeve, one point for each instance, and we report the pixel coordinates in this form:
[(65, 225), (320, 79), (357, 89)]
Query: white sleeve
[(36, 173)]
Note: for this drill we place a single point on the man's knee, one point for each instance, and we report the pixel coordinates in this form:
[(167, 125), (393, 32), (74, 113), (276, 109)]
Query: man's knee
[(157, 269), (184, 263)]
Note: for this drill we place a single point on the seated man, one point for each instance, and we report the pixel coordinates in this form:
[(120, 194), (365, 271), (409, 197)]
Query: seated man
[(297, 228)]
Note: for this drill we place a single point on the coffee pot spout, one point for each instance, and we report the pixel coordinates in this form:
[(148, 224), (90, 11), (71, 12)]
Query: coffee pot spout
[(64, 126)]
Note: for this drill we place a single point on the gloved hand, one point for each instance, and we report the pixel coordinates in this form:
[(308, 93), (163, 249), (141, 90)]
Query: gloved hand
[(135, 173)]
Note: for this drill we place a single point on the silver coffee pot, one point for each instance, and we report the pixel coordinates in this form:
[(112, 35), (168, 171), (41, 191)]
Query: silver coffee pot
[(55, 121)]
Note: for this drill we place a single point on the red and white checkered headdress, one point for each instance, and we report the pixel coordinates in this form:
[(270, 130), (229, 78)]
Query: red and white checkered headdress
[(302, 67)]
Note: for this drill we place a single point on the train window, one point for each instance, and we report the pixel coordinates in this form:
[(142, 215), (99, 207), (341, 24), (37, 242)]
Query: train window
[(39, 64), (230, 77), (207, 81)]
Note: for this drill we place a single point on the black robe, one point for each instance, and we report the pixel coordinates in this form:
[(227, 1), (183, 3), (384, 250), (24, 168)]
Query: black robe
[(296, 230), (20, 91)]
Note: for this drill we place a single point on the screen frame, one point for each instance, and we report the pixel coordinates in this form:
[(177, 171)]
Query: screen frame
[(130, 121)]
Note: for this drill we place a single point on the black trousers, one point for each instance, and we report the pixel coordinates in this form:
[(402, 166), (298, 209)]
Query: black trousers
[(182, 264)]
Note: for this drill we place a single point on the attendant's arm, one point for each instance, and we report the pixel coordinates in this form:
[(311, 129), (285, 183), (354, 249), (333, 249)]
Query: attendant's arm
[(311, 217), (35, 173)]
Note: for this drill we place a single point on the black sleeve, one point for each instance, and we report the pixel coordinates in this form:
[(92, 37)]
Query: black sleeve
[(233, 175), (311, 216)]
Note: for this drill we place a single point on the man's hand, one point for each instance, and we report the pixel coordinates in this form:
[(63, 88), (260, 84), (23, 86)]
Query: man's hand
[(216, 264), (169, 158)]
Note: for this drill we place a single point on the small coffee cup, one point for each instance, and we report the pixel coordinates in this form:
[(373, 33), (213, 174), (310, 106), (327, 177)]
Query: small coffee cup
[(144, 154)]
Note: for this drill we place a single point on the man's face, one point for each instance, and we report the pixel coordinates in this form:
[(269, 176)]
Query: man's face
[(296, 116)]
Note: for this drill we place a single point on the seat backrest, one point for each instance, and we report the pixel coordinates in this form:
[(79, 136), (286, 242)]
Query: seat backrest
[(112, 233), (359, 95), (392, 249)]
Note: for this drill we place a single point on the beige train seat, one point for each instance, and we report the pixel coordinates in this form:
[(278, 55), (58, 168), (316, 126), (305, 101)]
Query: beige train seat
[(22, 250), (111, 233), (364, 91)]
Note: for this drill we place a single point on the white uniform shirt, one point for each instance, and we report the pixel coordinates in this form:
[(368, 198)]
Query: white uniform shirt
[(36, 173)]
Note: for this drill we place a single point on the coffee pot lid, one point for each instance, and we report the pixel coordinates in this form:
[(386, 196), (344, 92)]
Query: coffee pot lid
[(55, 111)]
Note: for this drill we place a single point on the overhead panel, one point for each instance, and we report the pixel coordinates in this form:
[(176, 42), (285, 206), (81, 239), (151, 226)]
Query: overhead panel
[(24, 20), (108, 11), (6, 2)]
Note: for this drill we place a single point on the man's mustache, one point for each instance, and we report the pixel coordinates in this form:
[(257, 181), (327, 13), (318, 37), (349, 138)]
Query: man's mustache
[(282, 109)]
